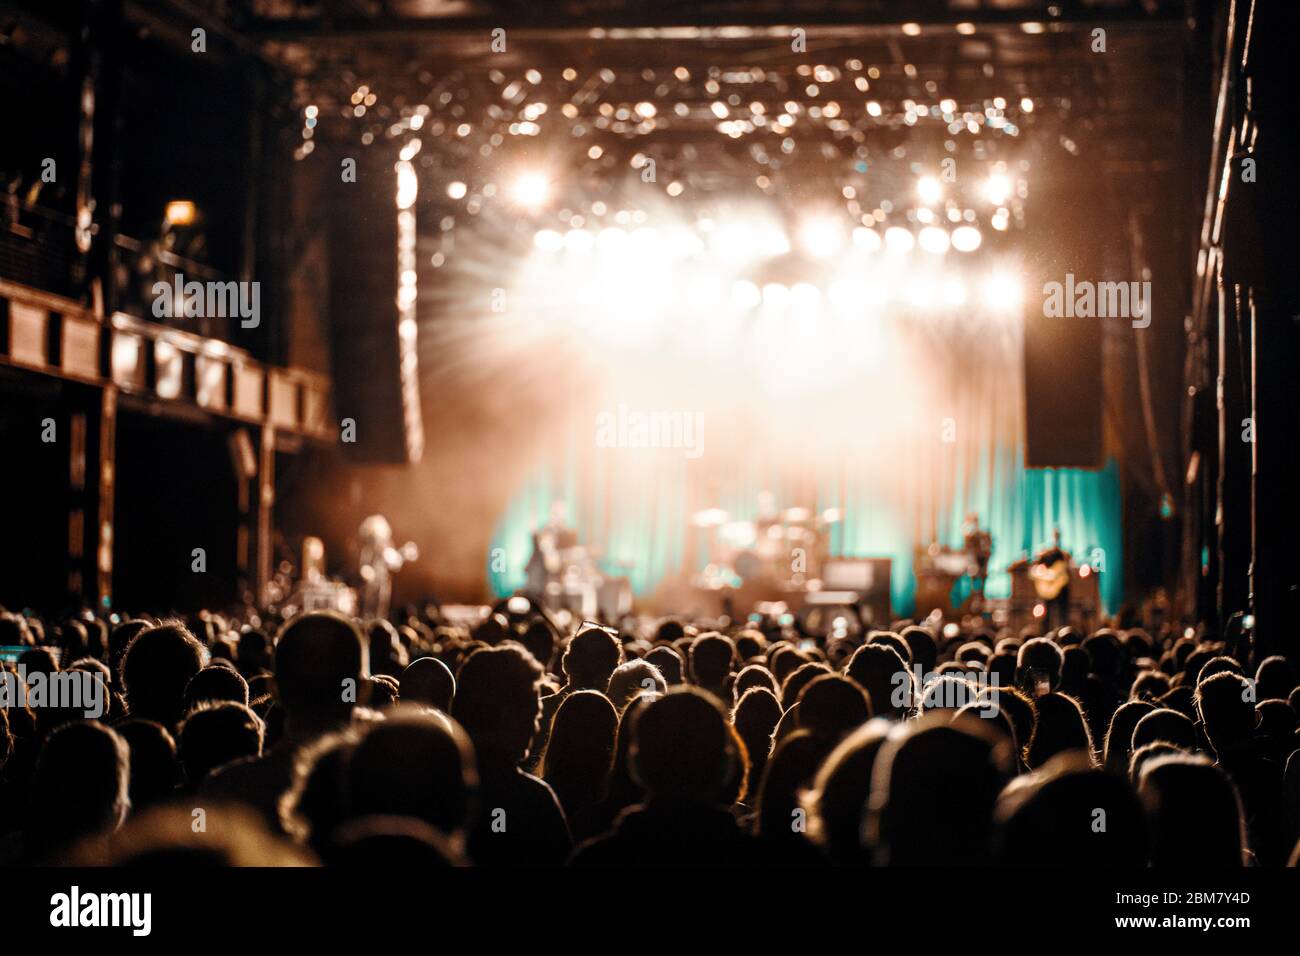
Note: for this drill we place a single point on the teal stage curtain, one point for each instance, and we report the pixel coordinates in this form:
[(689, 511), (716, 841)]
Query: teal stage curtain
[(646, 534), (905, 424)]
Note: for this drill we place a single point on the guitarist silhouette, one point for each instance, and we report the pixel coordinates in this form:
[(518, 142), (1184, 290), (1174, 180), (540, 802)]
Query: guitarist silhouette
[(1050, 572)]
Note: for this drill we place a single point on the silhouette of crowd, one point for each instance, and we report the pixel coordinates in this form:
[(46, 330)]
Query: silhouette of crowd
[(525, 739)]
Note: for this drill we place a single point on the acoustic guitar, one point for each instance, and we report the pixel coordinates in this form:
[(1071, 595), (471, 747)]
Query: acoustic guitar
[(1051, 578)]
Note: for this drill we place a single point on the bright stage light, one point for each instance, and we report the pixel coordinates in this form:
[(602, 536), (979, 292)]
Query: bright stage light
[(805, 300), (684, 243), (928, 188), (740, 241), (844, 293), (866, 239), (966, 238), (821, 237), (933, 240), (745, 295), (548, 240), (531, 189), (899, 239), (408, 185), (920, 294), (457, 190), (954, 292), (180, 212), (1002, 292), (645, 241), (579, 240), (772, 241), (611, 239), (776, 296), (997, 188)]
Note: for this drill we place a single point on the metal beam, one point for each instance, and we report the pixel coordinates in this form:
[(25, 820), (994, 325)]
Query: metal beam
[(713, 25)]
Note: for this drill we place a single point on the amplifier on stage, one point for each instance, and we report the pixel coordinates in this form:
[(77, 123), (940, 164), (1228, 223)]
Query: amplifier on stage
[(1029, 599), (858, 579)]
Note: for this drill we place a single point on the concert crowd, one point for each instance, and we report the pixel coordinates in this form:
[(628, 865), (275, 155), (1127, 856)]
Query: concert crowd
[(528, 739)]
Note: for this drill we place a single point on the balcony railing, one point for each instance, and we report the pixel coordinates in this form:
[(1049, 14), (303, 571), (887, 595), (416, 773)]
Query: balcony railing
[(38, 248), (141, 266)]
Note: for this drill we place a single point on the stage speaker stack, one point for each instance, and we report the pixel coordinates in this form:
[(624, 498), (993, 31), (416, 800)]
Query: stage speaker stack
[(365, 317), (1063, 372)]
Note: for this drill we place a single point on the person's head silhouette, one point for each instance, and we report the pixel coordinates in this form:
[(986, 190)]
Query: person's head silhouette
[(580, 751), (1060, 727), (156, 668), (831, 706), (1071, 814), (590, 658), (497, 701), (880, 671), (1195, 813), (936, 777), (428, 681), (216, 733), (1227, 711), (632, 679), (81, 786), (414, 764), (681, 747), (320, 662), (711, 658)]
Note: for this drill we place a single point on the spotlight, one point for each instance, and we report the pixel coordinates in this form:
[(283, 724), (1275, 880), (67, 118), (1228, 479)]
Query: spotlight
[(548, 240), (611, 238), (997, 188), (408, 185), (966, 238), (920, 294), (181, 212), (531, 190), (775, 295), (805, 300), (928, 188), (845, 293), (456, 190), (579, 240), (772, 241), (684, 243), (1002, 292), (933, 240), (867, 239), (954, 292), (644, 243), (745, 295), (821, 237), (899, 239)]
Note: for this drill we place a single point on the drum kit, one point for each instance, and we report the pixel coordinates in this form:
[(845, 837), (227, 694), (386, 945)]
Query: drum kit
[(782, 549)]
